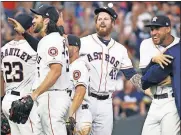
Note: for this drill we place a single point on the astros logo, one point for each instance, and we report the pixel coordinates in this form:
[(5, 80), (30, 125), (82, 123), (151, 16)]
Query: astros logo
[(53, 51), (76, 74)]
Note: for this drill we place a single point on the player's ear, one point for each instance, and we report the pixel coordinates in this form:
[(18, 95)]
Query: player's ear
[(46, 21), (76, 49), (113, 23), (168, 29)]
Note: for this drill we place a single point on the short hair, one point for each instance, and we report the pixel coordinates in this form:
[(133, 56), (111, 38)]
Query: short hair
[(96, 16)]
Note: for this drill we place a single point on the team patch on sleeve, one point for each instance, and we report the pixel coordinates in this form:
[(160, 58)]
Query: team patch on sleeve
[(76, 74), (53, 51)]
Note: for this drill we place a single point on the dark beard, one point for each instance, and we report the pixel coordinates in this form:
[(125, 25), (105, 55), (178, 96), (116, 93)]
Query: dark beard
[(104, 33), (38, 28)]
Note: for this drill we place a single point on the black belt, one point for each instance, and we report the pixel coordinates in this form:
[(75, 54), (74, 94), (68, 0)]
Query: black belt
[(162, 96), (15, 93), (85, 106), (99, 97), (57, 89)]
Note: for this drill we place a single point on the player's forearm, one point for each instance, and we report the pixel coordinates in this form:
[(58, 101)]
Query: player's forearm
[(155, 75), (147, 67), (48, 82), (136, 81), (77, 99), (31, 40)]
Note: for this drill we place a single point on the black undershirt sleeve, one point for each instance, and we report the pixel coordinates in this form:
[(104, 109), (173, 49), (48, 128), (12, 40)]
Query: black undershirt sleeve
[(31, 40)]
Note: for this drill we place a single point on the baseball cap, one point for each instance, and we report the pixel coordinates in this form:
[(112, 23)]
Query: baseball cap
[(74, 40), (25, 20), (108, 10), (47, 11), (161, 21)]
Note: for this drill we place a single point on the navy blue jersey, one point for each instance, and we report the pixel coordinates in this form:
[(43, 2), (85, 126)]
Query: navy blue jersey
[(155, 74)]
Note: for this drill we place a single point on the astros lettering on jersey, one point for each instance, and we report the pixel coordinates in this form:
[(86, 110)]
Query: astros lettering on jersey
[(113, 58)]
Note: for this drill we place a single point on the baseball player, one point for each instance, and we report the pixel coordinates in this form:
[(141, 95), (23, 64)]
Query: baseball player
[(29, 38), (79, 72), (160, 120), (155, 74), (53, 77), (105, 58), (18, 62)]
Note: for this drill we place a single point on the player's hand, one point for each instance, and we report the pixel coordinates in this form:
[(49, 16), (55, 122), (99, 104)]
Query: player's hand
[(34, 96), (17, 26), (20, 109), (166, 81), (162, 59), (70, 126)]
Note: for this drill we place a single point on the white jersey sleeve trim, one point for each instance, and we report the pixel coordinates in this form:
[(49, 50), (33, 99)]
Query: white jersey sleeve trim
[(55, 62), (80, 83)]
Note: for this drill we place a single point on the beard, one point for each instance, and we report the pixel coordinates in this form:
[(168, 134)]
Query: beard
[(158, 41), (103, 31), (38, 28)]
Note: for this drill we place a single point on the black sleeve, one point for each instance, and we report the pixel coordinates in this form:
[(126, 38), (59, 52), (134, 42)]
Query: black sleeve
[(143, 70), (154, 75), (31, 40), (128, 73)]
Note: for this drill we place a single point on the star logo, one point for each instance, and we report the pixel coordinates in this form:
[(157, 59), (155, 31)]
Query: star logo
[(76, 74), (53, 51), (154, 19)]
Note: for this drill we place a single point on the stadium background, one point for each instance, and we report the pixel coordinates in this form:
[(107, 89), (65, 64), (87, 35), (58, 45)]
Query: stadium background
[(129, 31)]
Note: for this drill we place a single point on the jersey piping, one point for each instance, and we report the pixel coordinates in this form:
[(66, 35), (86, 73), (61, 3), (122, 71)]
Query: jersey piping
[(101, 64)]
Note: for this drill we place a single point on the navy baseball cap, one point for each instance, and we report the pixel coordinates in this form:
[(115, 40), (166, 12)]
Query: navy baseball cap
[(74, 40), (25, 20), (160, 21), (108, 10), (48, 11)]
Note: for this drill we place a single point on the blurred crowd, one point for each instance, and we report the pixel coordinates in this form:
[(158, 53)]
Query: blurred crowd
[(129, 31)]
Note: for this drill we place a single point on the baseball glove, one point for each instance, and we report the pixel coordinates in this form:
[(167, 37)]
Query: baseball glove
[(70, 125), (20, 109), (5, 128)]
